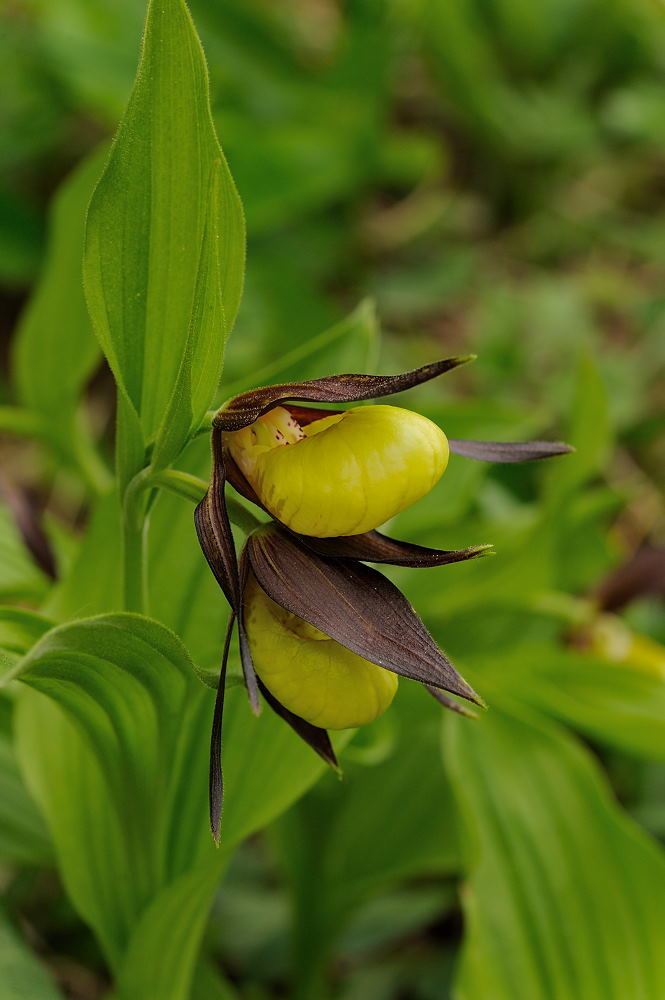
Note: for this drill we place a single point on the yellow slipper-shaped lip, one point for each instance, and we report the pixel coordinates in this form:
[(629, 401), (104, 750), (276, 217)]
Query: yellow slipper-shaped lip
[(342, 474)]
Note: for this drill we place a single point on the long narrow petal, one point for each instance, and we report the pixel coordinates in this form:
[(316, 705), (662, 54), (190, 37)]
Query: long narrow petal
[(508, 451), (353, 604), (214, 530), (215, 780), (251, 680), (377, 548), (248, 407), (237, 479), (317, 738)]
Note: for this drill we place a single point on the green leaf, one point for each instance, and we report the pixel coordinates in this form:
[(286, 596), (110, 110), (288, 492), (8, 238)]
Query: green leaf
[(23, 836), (209, 985), (20, 579), (266, 767), (116, 756), (54, 351), (164, 255), (618, 704), (92, 584), (350, 346), (347, 840), (106, 765), (560, 898), (589, 432), (22, 976), (19, 630), (178, 914)]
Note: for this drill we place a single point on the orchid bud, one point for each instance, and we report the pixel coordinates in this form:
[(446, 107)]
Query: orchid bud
[(309, 673), (342, 473)]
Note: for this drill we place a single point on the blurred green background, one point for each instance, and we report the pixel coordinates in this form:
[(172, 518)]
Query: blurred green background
[(490, 173)]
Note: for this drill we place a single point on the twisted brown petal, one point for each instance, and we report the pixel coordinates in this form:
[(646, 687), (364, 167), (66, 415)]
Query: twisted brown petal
[(248, 407), (214, 529), (251, 680), (377, 548), (215, 779)]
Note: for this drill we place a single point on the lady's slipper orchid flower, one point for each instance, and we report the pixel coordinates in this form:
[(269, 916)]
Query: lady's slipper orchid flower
[(323, 637)]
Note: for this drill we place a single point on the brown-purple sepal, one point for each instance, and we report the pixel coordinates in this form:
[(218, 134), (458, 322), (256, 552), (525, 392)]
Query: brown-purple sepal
[(508, 451), (251, 680), (353, 604), (243, 410), (374, 547), (213, 529), (215, 778)]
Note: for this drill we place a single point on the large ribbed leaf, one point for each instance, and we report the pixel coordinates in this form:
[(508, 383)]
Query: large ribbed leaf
[(105, 762), (23, 836), (619, 704), (116, 755), (347, 840), (248, 407), (178, 914), (164, 255), (564, 893)]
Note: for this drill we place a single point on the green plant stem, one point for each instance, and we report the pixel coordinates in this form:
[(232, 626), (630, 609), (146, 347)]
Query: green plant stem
[(135, 535), (206, 423), (135, 525), (192, 488), (135, 584), (183, 484)]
